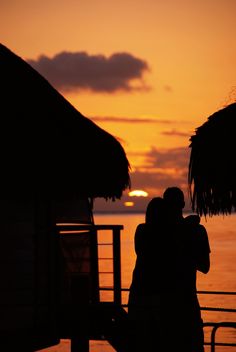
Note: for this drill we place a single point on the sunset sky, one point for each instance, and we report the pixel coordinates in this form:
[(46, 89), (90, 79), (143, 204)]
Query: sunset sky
[(147, 71)]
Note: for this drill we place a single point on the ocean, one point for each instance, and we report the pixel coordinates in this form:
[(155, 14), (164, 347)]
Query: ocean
[(221, 277)]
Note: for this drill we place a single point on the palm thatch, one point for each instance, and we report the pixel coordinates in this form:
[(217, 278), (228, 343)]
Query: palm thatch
[(49, 147), (212, 165)]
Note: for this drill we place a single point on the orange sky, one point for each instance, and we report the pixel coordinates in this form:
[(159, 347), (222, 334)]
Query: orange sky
[(189, 50)]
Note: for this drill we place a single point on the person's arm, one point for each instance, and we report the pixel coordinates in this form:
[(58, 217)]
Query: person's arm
[(203, 250), (138, 238)]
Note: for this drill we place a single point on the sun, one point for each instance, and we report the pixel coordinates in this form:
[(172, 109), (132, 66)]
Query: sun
[(138, 193), (128, 204)]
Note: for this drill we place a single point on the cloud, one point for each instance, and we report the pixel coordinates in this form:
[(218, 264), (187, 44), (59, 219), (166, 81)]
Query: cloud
[(81, 71), (157, 180), (175, 158), (166, 168), (174, 133), (129, 120), (163, 168)]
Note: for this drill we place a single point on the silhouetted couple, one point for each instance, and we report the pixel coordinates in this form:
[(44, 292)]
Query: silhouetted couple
[(163, 307)]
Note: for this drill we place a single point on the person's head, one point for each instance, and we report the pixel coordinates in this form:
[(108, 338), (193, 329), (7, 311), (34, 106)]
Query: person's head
[(155, 211), (174, 198)]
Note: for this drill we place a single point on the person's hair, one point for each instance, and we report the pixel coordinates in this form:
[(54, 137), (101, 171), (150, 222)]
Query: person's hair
[(155, 211), (174, 196)]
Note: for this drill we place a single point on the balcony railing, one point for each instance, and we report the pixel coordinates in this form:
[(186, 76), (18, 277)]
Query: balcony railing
[(93, 232)]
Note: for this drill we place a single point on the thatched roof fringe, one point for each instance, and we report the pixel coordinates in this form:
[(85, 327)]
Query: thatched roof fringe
[(212, 166)]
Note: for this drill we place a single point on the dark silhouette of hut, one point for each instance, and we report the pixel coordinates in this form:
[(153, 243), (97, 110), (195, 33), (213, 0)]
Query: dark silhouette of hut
[(212, 167), (54, 162)]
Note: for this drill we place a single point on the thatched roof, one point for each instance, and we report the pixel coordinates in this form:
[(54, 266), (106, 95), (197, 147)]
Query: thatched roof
[(47, 146), (212, 166)]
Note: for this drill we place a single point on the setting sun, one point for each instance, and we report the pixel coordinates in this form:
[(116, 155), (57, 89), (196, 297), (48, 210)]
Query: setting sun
[(138, 193), (128, 204)]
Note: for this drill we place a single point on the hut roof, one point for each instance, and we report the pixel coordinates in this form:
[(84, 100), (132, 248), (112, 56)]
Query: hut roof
[(212, 165), (47, 146)]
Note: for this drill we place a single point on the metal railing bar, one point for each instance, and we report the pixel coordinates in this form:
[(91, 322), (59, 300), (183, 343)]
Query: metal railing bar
[(220, 344), (106, 272), (201, 292), (219, 309), (217, 292), (89, 227), (105, 244)]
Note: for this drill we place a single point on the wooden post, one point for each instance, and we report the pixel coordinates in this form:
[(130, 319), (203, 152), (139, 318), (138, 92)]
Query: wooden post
[(79, 344), (94, 265), (117, 265)]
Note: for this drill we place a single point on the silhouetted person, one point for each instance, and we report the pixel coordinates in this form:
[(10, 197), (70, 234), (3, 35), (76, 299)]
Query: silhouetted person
[(191, 255), (144, 297)]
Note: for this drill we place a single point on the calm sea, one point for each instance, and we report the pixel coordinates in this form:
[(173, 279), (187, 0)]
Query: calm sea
[(221, 277)]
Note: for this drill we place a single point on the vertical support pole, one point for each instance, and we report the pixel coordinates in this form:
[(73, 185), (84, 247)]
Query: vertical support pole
[(46, 272), (117, 265), (213, 337), (95, 297), (79, 345)]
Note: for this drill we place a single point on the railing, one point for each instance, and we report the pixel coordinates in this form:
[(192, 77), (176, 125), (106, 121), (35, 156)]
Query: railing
[(221, 324), (93, 233), (214, 325)]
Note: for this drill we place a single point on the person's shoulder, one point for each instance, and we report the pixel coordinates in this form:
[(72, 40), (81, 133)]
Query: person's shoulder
[(202, 229), (141, 226), (192, 220)]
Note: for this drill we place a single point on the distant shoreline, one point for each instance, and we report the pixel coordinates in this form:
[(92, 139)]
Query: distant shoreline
[(103, 212), (120, 212)]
